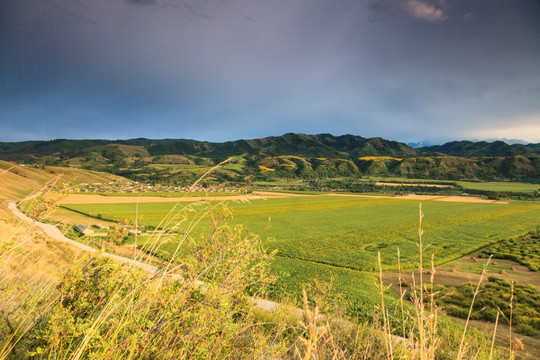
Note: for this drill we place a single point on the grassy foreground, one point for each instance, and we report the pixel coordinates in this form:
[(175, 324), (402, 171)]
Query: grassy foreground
[(56, 303), (95, 309)]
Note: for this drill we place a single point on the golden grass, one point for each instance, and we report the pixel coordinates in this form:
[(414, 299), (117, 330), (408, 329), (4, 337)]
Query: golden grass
[(379, 158), (290, 157)]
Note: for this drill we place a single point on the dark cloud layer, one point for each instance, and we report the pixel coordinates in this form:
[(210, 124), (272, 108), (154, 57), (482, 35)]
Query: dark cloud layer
[(141, 2), (228, 69)]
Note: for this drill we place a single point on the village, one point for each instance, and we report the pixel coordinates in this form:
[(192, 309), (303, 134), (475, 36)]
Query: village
[(136, 187)]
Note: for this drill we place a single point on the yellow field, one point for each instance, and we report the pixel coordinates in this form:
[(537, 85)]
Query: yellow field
[(379, 158)]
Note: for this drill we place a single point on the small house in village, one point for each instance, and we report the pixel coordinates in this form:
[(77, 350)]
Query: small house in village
[(83, 229)]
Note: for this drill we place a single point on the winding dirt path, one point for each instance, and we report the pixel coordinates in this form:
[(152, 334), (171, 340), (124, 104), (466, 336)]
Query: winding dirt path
[(53, 232)]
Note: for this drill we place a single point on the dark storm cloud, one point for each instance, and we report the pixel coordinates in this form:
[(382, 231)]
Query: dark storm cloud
[(141, 2), (218, 70)]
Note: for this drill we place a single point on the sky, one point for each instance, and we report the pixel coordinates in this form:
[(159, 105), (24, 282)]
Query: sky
[(219, 70)]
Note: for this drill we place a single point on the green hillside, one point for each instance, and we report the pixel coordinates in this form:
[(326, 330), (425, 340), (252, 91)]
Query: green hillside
[(483, 148), (290, 156)]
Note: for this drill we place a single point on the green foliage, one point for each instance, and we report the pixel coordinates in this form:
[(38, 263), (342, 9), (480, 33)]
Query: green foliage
[(109, 311), (525, 250), (494, 296), (180, 161)]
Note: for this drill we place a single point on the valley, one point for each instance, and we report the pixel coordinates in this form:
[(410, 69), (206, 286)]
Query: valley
[(323, 219)]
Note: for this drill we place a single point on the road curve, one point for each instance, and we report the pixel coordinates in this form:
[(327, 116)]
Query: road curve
[(53, 232)]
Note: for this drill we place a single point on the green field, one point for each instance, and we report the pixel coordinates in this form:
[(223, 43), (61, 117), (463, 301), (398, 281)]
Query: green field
[(475, 185), (501, 186), (338, 238), (348, 232)]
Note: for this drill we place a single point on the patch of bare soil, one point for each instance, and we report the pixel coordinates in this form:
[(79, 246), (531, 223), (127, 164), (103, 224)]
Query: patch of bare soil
[(420, 197), (269, 194), (366, 196), (470, 199), (100, 199)]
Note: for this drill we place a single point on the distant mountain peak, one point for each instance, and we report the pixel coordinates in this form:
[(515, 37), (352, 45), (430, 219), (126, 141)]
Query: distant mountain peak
[(509, 141), (420, 144)]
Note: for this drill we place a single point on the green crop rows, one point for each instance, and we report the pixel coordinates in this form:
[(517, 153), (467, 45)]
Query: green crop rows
[(338, 238), (348, 232), (501, 186), (525, 251), (494, 296)]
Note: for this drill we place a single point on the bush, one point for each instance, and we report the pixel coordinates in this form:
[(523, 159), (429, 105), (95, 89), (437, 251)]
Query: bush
[(106, 310), (525, 329)]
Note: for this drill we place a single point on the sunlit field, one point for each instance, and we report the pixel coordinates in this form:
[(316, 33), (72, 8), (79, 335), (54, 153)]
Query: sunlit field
[(348, 231)]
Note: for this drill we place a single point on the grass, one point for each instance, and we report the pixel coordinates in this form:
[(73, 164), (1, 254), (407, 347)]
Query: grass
[(97, 309), (179, 167), (19, 181), (379, 158), (337, 239), (101, 310), (282, 182)]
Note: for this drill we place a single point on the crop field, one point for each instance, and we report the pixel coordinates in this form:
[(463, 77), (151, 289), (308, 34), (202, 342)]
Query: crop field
[(336, 238), (349, 231), (500, 186)]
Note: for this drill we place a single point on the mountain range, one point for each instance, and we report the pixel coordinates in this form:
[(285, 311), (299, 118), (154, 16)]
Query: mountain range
[(289, 155)]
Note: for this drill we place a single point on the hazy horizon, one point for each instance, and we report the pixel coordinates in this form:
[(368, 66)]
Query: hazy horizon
[(410, 143)]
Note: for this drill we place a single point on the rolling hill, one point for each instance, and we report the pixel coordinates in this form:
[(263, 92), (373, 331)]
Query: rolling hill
[(291, 155), (485, 149)]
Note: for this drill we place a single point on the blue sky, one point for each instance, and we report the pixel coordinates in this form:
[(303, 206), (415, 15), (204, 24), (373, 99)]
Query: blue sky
[(406, 70)]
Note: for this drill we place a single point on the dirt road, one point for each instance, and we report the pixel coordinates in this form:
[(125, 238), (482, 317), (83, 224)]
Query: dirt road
[(53, 232)]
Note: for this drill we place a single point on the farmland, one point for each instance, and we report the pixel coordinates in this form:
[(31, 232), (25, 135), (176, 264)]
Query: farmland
[(348, 231), (338, 237), (333, 238), (500, 186)]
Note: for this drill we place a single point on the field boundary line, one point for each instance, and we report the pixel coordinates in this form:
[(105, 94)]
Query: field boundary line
[(87, 214)]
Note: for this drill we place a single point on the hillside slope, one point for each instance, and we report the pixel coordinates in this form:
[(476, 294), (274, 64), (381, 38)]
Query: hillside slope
[(291, 155), (17, 181), (290, 143), (484, 149)]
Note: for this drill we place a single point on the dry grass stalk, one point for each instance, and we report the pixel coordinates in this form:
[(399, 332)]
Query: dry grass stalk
[(419, 304), (461, 351), (433, 312), (386, 325), (315, 334), (512, 355), (494, 334), (401, 294)]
